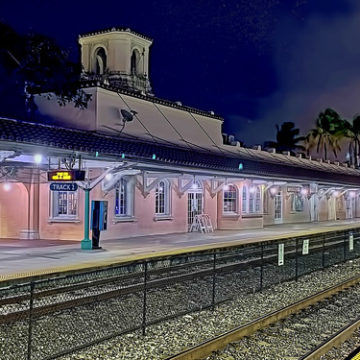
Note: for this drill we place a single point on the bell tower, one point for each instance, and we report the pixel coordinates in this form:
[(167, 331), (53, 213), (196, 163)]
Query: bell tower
[(117, 57)]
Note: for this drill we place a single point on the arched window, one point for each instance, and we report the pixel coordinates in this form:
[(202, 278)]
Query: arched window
[(230, 199), (258, 199), (124, 197), (162, 198), (245, 199), (134, 61), (100, 61), (297, 202), (121, 200), (251, 199)]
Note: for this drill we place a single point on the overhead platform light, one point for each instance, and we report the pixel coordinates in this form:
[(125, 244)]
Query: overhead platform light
[(38, 158)]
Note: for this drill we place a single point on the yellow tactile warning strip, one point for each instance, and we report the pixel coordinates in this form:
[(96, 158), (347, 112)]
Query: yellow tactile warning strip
[(356, 357), (96, 265)]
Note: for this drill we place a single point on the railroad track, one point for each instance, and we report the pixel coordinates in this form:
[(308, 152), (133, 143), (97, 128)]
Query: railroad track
[(64, 297), (304, 330)]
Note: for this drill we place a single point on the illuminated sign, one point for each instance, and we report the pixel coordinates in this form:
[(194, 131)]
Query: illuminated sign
[(66, 175), (63, 186)]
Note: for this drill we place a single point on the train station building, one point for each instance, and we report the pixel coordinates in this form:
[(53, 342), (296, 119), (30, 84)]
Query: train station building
[(156, 166)]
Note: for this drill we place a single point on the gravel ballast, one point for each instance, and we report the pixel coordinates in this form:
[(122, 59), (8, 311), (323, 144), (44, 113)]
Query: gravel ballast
[(173, 336)]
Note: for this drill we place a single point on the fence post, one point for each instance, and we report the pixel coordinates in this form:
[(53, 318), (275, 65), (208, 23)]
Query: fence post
[(345, 245), (296, 260), (144, 299), (214, 281), (261, 266), (323, 252), (31, 304)]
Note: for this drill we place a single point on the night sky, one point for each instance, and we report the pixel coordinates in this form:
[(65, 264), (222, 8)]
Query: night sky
[(256, 63)]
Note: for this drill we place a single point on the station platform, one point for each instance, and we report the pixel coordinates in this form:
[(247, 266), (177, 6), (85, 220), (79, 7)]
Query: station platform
[(25, 259)]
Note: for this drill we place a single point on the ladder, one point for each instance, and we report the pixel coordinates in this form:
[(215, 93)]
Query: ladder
[(201, 222)]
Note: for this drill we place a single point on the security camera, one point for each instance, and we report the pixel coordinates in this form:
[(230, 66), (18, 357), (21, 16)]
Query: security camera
[(127, 115)]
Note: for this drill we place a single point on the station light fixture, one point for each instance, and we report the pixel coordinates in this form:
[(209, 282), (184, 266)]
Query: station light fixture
[(335, 193), (194, 186), (108, 176), (252, 189), (304, 191), (6, 186), (226, 187), (273, 190), (352, 194), (38, 158)]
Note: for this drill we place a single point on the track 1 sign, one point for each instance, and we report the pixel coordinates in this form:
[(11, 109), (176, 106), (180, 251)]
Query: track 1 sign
[(63, 187)]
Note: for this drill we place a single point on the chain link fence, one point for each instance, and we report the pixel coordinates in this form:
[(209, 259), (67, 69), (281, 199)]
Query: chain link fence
[(48, 318)]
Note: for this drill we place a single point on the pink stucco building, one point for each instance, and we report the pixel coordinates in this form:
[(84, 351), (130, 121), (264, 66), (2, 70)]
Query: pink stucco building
[(156, 163)]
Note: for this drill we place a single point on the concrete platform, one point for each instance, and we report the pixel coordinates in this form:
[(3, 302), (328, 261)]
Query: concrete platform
[(28, 258)]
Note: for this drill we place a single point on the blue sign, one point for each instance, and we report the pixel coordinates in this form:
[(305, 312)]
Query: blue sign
[(63, 187)]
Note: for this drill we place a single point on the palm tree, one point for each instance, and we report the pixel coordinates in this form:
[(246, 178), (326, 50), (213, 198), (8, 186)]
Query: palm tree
[(329, 130), (352, 132), (286, 139)]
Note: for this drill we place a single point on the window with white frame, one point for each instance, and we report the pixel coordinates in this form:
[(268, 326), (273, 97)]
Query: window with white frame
[(64, 204), (230, 199), (245, 199), (162, 198), (297, 202), (124, 198), (251, 199)]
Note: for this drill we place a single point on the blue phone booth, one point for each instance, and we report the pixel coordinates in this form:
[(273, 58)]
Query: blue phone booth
[(99, 210)]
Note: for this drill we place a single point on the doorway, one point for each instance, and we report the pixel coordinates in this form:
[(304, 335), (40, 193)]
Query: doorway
[(195, 203), (314, 214), (278, 216), (332, 208), (350, 208)]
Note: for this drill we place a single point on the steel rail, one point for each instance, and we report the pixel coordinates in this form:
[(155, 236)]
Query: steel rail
[(335, 340), (156, 283), (204, 349)]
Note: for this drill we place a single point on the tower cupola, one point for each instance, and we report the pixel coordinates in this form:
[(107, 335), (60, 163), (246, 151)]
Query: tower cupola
[(119, 57)]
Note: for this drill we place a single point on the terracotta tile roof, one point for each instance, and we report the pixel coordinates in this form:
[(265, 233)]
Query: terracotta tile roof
[(58, 138)]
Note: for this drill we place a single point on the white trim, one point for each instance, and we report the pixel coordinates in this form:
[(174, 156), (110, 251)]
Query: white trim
[(233, 200), (163, 217), (122, 219), (251, 200), (63, 217), (166, 198), (64, 220)]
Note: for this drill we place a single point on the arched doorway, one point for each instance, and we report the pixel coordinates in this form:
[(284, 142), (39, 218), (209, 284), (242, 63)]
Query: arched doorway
[(278, 215), (195, 202), (350, 207), (332, 208)]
